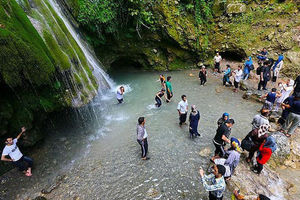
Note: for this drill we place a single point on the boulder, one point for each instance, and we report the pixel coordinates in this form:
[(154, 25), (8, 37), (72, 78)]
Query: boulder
[(244, 85), (250, 184), (283, 147), (235, 8)]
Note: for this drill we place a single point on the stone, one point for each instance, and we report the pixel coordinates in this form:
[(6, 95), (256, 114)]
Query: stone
[(283, 147), (235, 8), (155, 51), (244, 85), (206, 152)]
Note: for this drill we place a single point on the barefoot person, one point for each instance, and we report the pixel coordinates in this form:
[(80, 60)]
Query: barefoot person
[(120, 93), (16, 157), (182, 110), (158, 97), (142, 137), (218, 185)]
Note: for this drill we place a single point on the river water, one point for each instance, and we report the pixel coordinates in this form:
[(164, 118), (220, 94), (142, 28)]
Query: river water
[(97, 155)]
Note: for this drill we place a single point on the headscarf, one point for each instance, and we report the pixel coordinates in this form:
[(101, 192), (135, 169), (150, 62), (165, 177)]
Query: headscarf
[(280, 58), (291, 83), (225, 114), (194, 110), (271, 143), (249, 62), (263, 129), (235, 143)]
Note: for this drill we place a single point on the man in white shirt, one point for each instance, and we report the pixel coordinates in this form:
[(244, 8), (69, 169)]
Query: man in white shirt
[(238, 74), (217, 61), (12, 150), (182, 110)]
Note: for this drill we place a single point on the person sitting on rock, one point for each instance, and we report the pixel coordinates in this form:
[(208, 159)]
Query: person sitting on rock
[(262, 55), (264, 154), (260, 119), (226, 77), (232, 158), (223, 119), (254, 139), (16, 157), (293, 119), (218, 186)]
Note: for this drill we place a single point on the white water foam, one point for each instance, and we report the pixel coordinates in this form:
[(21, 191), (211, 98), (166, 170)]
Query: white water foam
[(152, 106)]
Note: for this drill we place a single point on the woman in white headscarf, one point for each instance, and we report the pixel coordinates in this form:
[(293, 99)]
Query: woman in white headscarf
[(194, 120), (285, 90)]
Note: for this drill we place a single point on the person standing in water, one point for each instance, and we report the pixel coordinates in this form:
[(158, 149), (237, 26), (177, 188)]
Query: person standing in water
[(16, 157), (158, 97), (182, 110), (162, 80), (238, 75), (194, 121), (222, 137), (217, 61), (120, 93), (169, 89), (202, 75), (142, 137)]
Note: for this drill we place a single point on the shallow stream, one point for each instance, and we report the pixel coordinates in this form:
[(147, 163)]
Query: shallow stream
[(100, 158)]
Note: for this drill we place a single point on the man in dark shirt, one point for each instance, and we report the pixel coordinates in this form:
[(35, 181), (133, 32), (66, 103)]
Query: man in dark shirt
[(297, 85), (265, 76), (222, 137), (293, 119)]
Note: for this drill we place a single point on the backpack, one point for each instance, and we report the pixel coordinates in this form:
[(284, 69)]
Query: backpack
[(247, 144), (258, 70), (251, 67)]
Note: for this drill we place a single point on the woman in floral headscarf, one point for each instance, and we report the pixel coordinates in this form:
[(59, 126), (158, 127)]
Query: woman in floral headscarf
[(257, 136), (194, 121)]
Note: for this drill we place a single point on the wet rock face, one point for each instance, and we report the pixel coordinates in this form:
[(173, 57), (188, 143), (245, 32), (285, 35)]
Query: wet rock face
[(283, 146), (235, 8)]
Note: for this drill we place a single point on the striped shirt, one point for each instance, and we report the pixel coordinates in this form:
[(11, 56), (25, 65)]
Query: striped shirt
[(218, 185)]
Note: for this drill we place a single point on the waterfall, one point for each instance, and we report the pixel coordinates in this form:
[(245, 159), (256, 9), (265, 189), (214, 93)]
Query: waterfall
[(103, 79)]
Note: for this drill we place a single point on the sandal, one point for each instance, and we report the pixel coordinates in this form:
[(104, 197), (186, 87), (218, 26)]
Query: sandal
[(287, 135)]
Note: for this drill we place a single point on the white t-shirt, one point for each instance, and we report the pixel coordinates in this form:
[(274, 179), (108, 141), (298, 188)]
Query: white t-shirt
[(145, 133), (182, 106), (217, 59), (238, 75), (13, 151), (285, 93), (119, 94)]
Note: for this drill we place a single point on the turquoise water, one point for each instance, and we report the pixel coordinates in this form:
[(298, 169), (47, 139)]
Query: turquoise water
[(101, 158)]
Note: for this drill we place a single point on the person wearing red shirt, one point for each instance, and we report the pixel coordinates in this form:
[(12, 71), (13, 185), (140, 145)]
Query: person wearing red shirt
[(265, 151)]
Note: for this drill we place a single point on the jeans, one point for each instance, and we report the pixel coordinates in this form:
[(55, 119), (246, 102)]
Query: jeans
[(213, 197), (226, 79), (21, 163), (246, 76), (144, 147), (158, 102), (292, 119)]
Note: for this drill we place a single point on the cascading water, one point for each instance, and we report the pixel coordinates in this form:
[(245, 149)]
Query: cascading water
[(103, 79)]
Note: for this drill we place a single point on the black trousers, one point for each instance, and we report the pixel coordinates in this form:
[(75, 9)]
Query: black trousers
[(158, 102), (24, 163), (236, 84), (262, 84), (169, 96), (217, 66), (213, 197), (202, 80), (219, 150), (259, 167), (182, 118), (144, 147)]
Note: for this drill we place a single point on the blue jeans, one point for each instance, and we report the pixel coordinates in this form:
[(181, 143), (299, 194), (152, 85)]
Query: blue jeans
[(21, 163)]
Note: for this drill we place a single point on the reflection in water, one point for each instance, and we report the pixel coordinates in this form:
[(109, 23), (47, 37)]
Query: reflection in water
[(105, 154)]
